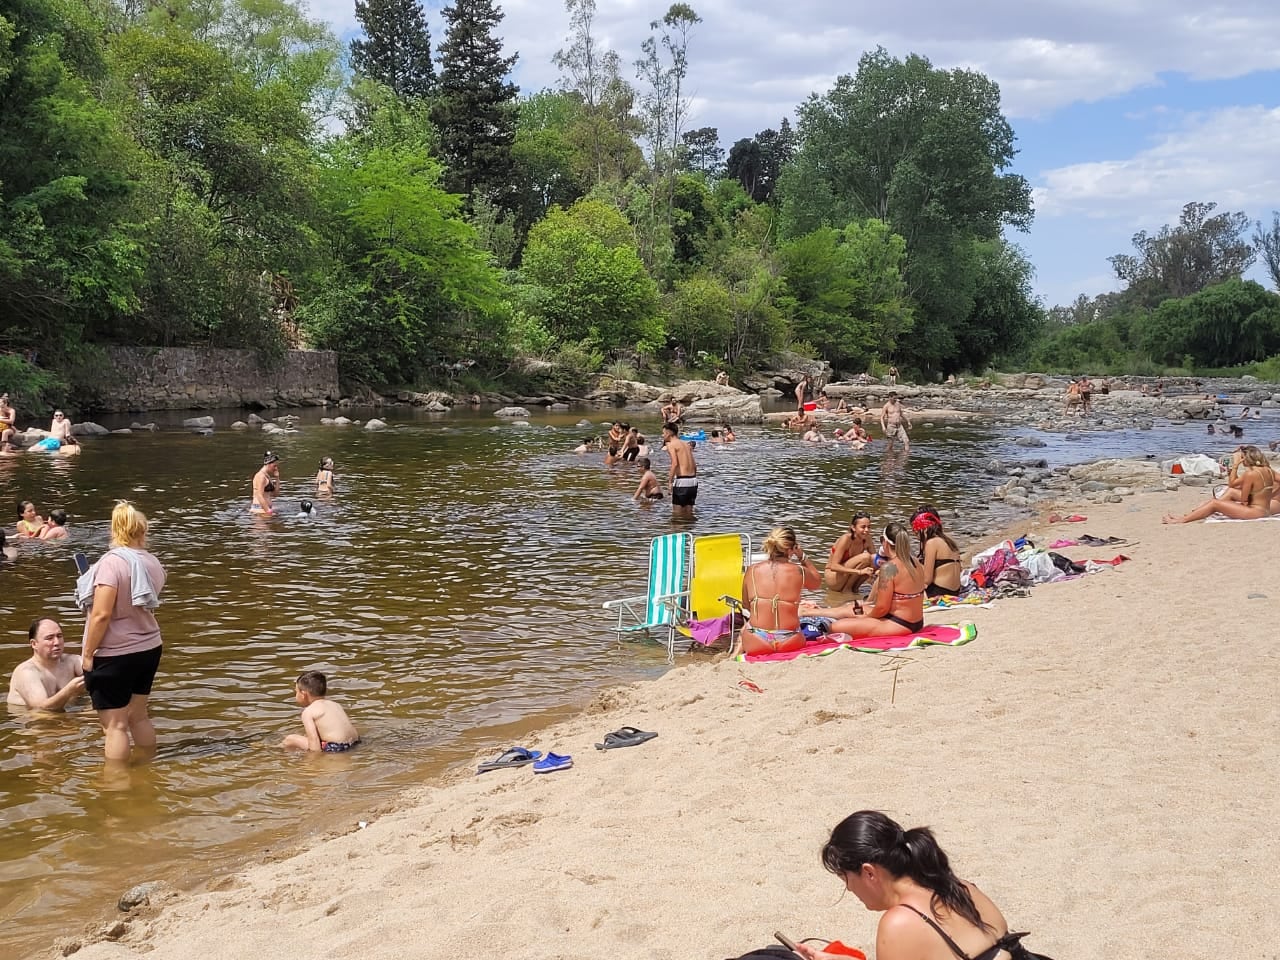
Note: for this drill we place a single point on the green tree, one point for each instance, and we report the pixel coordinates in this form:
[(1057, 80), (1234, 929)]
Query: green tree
[(1229, 323), (1267, 242), (585, 279), (697, 229), (701, 151), (700, 315), (396, 47), (923, 150), (1006, 316), (1200, 251), (406, 286), (757, 162), (70, 260), (475, 111), (547, 171)]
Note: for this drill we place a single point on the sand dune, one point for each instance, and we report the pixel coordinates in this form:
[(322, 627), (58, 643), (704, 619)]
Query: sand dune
[(1101, 760)]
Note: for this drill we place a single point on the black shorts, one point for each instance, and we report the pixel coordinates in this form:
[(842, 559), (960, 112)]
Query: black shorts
[(114, 681), (684, 491), (630, 453)]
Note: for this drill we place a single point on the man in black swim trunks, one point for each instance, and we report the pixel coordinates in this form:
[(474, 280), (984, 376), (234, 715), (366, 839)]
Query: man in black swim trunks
[(683, 477)]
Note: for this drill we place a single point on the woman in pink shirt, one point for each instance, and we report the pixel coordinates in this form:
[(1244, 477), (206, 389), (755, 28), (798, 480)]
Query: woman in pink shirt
[(122, 644)]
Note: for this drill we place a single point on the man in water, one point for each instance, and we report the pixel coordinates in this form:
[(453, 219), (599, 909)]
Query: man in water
[(683, 477), (672, 412), (894, 422), (52, 678)]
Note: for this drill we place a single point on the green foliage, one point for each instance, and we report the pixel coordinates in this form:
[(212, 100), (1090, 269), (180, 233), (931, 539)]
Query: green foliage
[(1222, 325), (845, 292), (585, 280), (32, 389), (700, 315), (1266, 240)]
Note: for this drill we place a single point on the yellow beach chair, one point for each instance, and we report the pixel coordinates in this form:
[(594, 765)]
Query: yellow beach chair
[(718, 563)]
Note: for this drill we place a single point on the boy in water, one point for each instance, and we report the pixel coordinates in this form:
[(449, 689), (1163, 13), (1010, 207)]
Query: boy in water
[(328, 728), (650, 488), (56, 528)]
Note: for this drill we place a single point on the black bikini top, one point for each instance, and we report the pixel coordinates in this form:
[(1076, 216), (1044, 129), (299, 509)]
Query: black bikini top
[(1010, 942)]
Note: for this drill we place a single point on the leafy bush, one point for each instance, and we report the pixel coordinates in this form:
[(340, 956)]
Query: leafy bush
[(32, 390)]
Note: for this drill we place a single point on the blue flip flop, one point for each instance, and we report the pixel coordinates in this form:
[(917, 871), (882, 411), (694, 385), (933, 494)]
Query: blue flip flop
[(553, 762), (513, 757)]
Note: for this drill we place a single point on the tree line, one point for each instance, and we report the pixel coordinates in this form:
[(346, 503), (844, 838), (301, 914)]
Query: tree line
[(226, 173)]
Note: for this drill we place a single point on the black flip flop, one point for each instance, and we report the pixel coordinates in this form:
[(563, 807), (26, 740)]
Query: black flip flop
[(625, 737), (512, 757)]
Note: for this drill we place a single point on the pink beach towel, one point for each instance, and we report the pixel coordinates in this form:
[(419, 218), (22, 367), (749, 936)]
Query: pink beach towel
[(940, 635)]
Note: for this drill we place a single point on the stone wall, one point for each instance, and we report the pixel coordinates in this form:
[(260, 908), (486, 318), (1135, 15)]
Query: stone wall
[(193, 378)]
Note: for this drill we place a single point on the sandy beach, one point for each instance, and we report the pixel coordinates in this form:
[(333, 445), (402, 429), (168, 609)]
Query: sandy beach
[(1101, 760)]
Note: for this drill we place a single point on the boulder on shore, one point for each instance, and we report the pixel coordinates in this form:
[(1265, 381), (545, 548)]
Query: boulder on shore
[(737, 408)]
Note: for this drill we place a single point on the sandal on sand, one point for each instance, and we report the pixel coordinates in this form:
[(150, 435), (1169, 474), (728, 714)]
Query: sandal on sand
[(625, 737), (553, 762), (513, 757)]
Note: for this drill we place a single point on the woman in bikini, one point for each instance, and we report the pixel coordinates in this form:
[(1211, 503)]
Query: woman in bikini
[(897, 593), (849, 565), (324, 477), (1250, 497), (266, 484), (939, 554), (771, 594), (927, 912)]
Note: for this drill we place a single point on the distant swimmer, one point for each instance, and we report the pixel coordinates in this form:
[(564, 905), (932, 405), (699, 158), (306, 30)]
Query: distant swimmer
[(306, 508), (51, 678), (266, 484), (324, 477), (649, 488), (682, 479), (327, 727), (729, 435), (30, 524), (814, 435)]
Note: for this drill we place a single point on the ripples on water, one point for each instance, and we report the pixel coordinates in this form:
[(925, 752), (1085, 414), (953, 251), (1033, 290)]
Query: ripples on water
[(453, 585)]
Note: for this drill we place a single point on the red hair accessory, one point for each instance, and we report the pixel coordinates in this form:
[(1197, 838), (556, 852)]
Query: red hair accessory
[(923, 521)]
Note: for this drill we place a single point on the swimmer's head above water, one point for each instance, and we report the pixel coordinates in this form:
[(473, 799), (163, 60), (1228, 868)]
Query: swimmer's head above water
[(326, 463), (269, 458), (306, 507)]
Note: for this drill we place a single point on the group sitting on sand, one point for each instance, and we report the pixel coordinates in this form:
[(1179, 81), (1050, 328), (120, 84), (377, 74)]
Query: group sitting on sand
[(909, 564), (1250, 493)]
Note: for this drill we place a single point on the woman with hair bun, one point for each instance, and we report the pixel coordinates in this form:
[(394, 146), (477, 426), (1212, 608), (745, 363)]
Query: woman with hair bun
[(122, 644), (897, 593), (939, 554), (928, 913), (266, 484), (771, 594)]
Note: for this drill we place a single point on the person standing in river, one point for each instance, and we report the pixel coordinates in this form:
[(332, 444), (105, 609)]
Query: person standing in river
[(682, 479), (266, 485), (894, 422), (122, 644)]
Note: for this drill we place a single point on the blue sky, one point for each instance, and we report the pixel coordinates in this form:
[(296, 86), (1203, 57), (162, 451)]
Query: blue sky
[(1124, 109)]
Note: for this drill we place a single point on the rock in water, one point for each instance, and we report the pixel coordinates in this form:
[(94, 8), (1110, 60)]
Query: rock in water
[(375, 424), (142, 893), (196, 423), (520, 412)]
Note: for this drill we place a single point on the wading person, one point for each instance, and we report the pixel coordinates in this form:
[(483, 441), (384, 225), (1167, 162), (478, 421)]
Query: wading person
[(122, 643), (51, 678), (894, 422), (682, 479)]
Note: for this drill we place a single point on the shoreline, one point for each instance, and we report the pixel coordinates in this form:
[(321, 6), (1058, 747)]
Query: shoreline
[(1056, 770)]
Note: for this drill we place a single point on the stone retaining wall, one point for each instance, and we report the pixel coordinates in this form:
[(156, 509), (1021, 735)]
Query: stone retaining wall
[(193, 378)]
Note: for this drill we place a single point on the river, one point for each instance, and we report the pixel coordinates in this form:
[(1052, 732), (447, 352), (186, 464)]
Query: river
[(451, 591)]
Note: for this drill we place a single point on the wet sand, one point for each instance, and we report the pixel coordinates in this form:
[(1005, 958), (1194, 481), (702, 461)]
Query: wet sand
[(1101, 760)]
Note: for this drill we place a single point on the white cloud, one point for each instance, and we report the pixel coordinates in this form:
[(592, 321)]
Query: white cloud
[(1227, 157), (752, 61)]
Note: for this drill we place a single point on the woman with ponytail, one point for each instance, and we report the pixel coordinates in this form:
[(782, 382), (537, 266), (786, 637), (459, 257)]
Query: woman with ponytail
[(928, 913), (897, 593), (939, 554)]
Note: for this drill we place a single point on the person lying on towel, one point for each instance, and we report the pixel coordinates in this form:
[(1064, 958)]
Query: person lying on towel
[(895, 607)]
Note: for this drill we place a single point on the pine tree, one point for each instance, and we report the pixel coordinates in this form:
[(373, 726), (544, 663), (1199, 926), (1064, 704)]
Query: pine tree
[(396, 50), (475, 111)]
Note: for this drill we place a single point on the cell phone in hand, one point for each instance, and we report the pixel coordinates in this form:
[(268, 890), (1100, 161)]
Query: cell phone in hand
[(82, 563), (786, 941)]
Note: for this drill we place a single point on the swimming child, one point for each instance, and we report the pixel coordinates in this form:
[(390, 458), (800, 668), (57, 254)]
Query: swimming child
[(328, 728), (324, 477), (304, 508), (56, 528), (30, 523), (650, 488), (729, 435)]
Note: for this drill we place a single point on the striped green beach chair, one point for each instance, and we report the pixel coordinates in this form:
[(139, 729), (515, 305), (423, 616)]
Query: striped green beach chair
[(661, 606)]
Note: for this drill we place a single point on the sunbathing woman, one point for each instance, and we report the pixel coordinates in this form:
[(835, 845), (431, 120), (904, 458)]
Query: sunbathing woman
[(771, 594), (927, 912), (1250, 499), (939, 554), (897, 594)]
